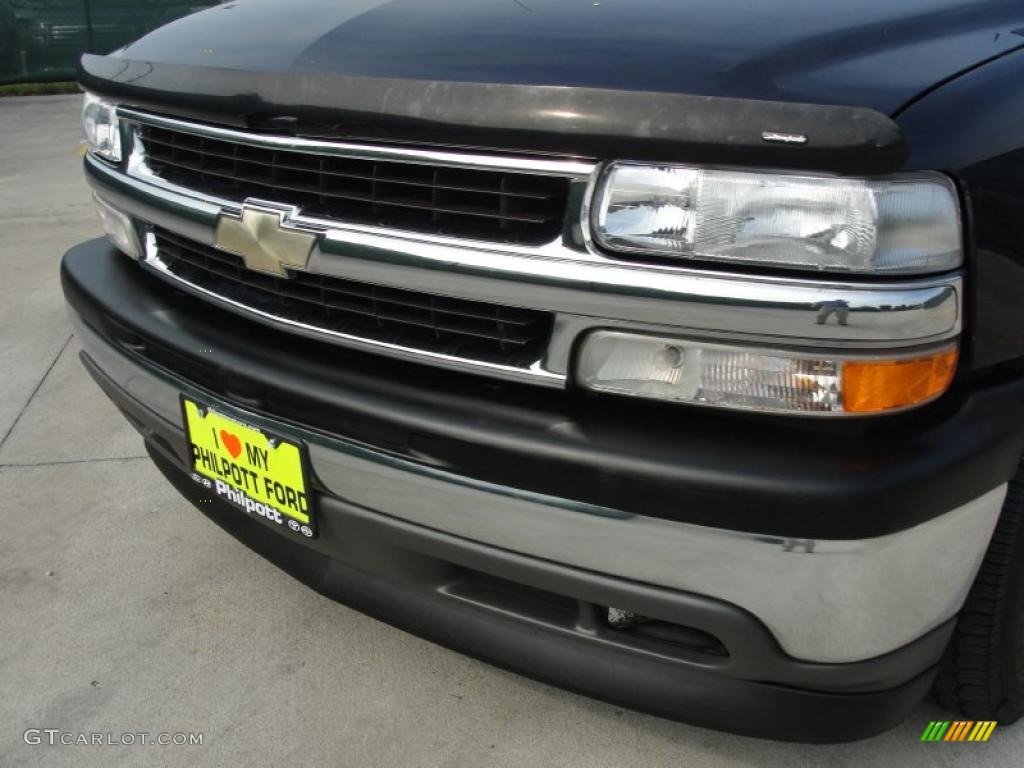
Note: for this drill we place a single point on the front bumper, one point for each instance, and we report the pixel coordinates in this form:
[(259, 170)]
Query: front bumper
[(817, 638)]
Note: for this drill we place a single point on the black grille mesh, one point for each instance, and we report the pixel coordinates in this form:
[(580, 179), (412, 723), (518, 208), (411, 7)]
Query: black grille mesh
[(487, 205), (468, 329)]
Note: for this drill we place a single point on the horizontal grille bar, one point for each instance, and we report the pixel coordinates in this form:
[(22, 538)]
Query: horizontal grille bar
[(471, 330), (496, 206)]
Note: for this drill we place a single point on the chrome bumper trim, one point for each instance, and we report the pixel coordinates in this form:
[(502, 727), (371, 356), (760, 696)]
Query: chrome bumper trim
[(535, 374), (532, 164), (824, 600), (587, 291)]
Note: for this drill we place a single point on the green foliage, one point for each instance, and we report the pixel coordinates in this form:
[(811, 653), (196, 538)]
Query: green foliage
[(36, 89), (41, 40)]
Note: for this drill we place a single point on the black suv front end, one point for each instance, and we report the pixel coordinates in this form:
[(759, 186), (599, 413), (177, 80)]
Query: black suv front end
[(749, 489)]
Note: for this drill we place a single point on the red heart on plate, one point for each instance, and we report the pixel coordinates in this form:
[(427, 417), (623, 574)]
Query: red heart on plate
[(231, 442)]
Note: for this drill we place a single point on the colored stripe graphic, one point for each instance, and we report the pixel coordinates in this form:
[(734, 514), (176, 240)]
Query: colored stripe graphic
[(958, 730), (935, 730), (982, 730)]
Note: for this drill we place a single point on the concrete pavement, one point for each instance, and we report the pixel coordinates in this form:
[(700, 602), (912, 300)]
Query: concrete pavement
[(124, 610)]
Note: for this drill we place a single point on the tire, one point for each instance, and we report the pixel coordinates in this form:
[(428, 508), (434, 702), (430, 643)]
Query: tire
[(981, 675)]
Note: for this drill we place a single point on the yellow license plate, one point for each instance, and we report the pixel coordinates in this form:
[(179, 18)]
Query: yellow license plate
[(264, 476)]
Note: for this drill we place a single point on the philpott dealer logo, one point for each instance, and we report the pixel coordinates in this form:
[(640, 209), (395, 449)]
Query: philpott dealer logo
[(958, 730)]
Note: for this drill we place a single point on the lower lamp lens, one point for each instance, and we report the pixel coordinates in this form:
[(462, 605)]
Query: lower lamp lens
[(873, 386), (118, 227), (755, 380)]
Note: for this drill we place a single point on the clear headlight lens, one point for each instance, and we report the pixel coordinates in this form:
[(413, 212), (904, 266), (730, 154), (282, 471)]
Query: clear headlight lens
[(102, 133), (899, 225), (758, 380)]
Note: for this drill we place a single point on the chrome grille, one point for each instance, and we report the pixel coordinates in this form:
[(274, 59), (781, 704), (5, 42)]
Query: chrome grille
[(497, 206), (473, 330)]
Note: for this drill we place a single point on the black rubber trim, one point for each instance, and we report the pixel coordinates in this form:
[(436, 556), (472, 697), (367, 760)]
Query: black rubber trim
[(513, 117), (794, 478), (408, 589), (753, 652)]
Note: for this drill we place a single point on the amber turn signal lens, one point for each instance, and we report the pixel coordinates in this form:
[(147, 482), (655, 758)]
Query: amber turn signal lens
[(881, 385)]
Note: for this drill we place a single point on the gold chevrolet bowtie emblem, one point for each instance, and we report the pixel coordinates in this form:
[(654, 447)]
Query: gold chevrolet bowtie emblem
[(260, 238)]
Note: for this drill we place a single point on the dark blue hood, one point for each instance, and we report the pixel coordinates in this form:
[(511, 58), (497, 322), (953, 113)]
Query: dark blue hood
[(869, 53)]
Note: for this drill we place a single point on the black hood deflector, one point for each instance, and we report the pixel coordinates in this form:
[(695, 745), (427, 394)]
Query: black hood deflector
[(583, 122)]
